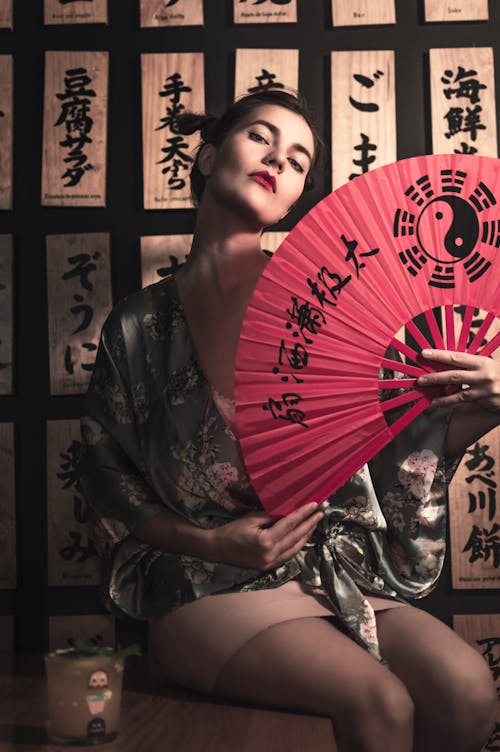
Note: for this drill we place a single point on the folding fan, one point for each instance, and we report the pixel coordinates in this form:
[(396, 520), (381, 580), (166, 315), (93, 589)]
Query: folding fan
[(401, 258)]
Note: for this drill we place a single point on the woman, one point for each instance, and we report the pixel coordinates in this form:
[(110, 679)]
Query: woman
[(309, 612)]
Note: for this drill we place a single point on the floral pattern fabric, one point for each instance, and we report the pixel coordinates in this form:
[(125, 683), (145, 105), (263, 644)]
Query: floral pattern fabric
[(153, 440)]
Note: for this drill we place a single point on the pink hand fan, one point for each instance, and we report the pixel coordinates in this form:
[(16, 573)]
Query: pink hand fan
[(397, 260)]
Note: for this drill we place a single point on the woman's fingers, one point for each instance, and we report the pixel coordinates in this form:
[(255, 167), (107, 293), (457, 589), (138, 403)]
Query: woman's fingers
[(470, 378), (291, 551), (458, 398), (289, 524), (454, 359), (295, 537)]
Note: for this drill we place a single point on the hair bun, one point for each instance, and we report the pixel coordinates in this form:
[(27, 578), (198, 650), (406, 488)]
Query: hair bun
[(189, 122)]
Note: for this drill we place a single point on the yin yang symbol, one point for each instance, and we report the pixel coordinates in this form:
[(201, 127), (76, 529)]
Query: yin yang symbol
[(448, 229)]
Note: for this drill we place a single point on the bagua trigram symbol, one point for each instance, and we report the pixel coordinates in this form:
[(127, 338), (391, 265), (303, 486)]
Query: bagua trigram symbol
[(446, 228)]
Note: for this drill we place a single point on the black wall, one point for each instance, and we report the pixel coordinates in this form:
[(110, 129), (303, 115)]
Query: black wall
[(124, 218)]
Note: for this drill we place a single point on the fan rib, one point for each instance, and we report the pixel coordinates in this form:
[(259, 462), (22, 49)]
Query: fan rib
[(396, 383), (409, 416), (434, 330), (450, 327), (403, 367), (401, 399), (465, 331), (404, 349), (481, 332), (492, 345), (417, 335)]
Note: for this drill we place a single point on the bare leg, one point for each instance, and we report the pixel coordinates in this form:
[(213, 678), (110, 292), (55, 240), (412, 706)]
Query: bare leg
[(450, 684), (310, 665)]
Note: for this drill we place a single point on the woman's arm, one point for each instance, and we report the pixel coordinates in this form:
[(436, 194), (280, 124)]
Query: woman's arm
[(119, 495), (474, 383), (252, 540)]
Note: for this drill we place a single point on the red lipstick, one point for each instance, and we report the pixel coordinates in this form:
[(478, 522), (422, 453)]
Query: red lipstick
[(266, 180)]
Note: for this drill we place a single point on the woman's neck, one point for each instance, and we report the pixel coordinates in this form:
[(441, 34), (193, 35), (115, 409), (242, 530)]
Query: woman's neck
[(226, 257)]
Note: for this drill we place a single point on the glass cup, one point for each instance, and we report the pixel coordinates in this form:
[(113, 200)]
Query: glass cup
[(84, 694)]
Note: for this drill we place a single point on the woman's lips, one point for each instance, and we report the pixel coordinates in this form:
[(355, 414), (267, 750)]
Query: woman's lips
[(266, 180)]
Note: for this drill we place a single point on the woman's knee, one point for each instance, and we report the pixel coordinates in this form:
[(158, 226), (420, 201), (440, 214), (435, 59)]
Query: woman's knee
[(464, 707), (472, 702), (381, 705)]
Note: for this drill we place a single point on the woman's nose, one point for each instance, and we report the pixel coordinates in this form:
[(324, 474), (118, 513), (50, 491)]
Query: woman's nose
[(276, 159)]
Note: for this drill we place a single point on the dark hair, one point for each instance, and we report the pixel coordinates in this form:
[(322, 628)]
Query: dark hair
[(213, 130)]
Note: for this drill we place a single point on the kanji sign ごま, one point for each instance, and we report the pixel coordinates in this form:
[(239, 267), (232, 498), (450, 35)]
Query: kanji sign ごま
[(363, 112)]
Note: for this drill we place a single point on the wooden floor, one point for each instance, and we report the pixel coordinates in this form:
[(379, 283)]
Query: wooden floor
[(153, 719)]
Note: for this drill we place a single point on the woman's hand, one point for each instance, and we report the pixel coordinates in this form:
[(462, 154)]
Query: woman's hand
[(472, 388), (470, 379), (256, 542)]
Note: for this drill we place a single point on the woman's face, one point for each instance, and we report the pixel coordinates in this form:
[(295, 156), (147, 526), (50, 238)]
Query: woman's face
[(260, 168)]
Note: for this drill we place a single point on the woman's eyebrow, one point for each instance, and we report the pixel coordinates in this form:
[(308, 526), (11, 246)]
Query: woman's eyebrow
[(276, 131)]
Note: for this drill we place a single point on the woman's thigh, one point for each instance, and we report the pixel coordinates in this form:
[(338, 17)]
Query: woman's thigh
[(449, 682), (310, 665)]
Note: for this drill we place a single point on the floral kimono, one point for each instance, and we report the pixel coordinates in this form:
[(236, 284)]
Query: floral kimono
[(154, 439)]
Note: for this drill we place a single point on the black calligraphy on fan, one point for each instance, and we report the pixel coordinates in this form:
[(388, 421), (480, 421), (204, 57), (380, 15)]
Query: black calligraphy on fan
[(306, 321)]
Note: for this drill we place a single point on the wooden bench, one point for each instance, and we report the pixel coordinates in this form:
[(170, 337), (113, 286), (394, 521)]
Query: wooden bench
[(156, 718)]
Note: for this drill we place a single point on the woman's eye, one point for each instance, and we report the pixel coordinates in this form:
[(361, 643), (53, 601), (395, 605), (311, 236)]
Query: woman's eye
[(257, 137), (296, 165)]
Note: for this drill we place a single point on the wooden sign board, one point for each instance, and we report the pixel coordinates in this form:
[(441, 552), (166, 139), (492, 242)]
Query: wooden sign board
[(6, 310), (363, 12), (463, 101), (76, 11), (482, 631), (265, 11), (72, 556), (456, 10), (6, 130), (171, 84), (74, 129), (474, 504), (79, 292), (8, 577), (6, 635), (363, 113), (162, 255), (6, 14), (171, 13), (96, 628), (265, 69), (271, 240)]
